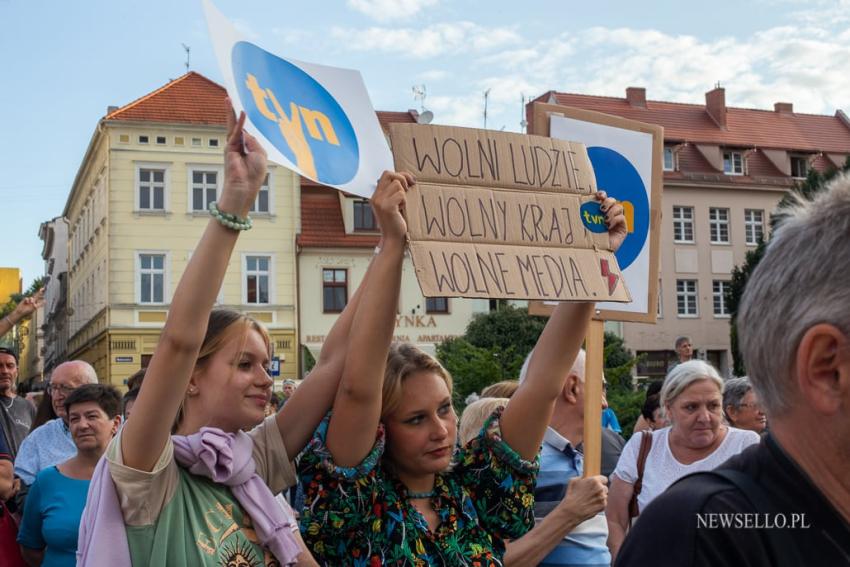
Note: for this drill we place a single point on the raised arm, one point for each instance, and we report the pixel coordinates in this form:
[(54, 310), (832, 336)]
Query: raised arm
[(313, 398), (170, 369), (357, 406), (24, 309), (527, 415)]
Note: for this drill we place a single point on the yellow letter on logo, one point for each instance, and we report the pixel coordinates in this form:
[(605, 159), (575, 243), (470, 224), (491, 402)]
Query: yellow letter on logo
[(290, 127), (259, 97), (313, 117)]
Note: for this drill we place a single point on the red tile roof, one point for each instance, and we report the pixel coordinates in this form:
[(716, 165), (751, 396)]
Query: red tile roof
[(190, 99), (746, 128), (195, 99), (322, 225)]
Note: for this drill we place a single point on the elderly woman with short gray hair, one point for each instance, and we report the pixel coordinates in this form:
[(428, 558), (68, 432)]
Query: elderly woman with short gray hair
[(696, 440), (742, 407)]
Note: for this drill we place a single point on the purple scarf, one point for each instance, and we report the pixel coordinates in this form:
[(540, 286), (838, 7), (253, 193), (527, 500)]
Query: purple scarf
[(225, 458)]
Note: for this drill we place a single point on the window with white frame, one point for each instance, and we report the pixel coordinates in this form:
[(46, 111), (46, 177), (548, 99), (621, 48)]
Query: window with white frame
[(733, 163), (683, 224), (799, 166), (151, 184), (261, 203), (686, 298), (257, 280), (719, 290), (669, 159), (334, 290), (151, 274), (753, 226), (204, 188), (364, 219), (718, 225)]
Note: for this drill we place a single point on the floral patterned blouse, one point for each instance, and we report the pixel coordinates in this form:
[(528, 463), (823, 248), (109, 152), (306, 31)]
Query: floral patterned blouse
[(361, 516)]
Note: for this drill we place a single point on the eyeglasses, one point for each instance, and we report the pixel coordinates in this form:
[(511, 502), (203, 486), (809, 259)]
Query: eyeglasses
[(753, 406), (57, 388)]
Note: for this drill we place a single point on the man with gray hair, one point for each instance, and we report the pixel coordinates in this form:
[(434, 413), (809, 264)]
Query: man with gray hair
[(51, 443), (575, 539), (785, 501)]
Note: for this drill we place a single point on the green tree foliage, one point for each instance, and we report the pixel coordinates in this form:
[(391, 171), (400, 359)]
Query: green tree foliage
[(622, 397), (496, 344), (308, 360), (508, 329), (740, 277), (807, 189), (472, 368)]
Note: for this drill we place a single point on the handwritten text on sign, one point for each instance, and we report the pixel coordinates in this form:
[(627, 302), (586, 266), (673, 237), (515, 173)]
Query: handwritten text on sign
[(504, 216)]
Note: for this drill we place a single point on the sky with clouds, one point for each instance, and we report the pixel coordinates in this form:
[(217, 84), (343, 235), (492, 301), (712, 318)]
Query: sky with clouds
[(65, 62)]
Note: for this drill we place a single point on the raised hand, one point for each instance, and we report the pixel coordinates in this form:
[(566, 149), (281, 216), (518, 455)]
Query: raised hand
[(29, 305), (614, 219), (388, 204), (244, 167)]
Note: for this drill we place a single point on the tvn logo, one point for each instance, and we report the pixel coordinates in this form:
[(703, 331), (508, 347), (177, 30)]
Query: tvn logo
[(594, 219), (296, 114)]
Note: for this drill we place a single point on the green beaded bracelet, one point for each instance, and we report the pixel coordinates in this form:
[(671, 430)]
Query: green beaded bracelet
[(230, 220)]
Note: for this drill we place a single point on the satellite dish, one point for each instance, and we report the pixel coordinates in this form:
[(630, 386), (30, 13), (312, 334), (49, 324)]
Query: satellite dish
[(425, 117)]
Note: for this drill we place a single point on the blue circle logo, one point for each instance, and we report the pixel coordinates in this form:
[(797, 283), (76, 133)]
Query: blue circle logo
[(592, 217), (296, 114), (618, 177)]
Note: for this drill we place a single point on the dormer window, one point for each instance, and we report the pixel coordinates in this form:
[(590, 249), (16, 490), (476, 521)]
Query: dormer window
[(669, 159), (364, 219), (733, 163), (799, 167)]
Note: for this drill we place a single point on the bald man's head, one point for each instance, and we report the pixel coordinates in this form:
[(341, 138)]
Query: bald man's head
[(67, 377)]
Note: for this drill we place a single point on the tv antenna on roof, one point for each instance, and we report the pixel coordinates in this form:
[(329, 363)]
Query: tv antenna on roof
[(486, 96), (188, 50), (523, 123), (419, 93)]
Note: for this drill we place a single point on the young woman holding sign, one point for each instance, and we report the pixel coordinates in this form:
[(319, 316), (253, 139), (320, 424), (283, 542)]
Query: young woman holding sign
[(404, 495), (204, 496)]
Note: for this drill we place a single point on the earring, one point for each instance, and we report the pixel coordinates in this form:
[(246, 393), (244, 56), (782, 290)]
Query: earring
[(192, 390)]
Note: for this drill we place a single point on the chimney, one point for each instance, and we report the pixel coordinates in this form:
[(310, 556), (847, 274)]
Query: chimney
[(110, 109), (783, 107), (636, 96), (715, 105)]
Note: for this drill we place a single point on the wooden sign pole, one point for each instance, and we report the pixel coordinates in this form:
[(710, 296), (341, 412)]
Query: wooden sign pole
[(594, 345)]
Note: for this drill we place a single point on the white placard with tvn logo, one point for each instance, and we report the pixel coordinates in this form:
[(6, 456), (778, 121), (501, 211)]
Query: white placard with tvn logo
[(315, 120)]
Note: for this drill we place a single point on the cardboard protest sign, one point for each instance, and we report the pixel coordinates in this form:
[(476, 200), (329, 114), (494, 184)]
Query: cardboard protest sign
[(501, 215), (626, 156), (315, 120)]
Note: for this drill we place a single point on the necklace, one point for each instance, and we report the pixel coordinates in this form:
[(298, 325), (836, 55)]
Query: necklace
[(11, 401), (420, 495)]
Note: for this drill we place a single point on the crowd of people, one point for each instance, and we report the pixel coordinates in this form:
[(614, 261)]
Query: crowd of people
[(366, 462)]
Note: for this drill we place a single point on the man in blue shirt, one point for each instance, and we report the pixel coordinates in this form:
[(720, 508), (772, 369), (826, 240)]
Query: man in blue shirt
[(51, 443), (561, 461)]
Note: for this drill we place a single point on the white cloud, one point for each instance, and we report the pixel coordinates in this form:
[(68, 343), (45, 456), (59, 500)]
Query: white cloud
[(245, 29), (427, 42), (806, 65), (388, 10), (433, 75)]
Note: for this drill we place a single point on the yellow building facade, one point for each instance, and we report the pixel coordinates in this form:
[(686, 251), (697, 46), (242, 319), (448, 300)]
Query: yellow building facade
[(138, 208), (10, 283)]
